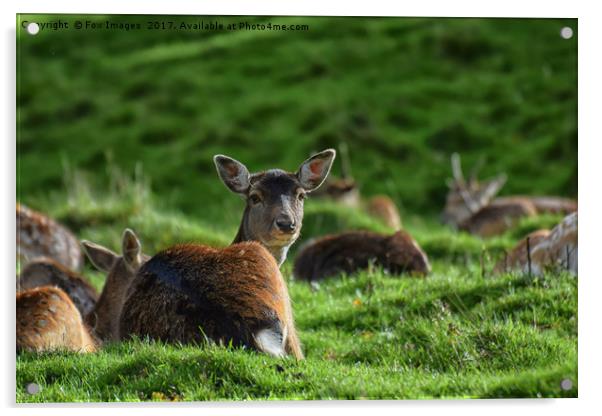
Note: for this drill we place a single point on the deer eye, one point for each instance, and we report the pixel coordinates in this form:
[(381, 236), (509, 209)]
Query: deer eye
[(255, 199)]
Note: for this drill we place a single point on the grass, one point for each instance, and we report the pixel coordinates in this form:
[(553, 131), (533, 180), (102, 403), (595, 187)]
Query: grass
[(118, 130), (457, 333)]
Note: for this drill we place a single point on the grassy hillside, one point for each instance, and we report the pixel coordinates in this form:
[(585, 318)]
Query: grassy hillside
[(402, 93), (117, 129)]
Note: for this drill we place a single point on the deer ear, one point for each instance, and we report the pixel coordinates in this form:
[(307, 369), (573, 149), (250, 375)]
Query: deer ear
[(233, 174), (102, 258), (131, 249), (314, 170)]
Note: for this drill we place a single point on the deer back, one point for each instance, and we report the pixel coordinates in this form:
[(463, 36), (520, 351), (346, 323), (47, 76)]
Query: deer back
[(384, 209), (497, 218), (47, 272), (545, 204), (40, 236), (355, 250), (518, 257), (47, 320), (190, 293), (559, 250)]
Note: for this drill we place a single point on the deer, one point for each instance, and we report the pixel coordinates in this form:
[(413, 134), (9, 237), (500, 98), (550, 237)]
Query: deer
[(44, 271), (471, 205), (120, 271), (47, 320), (345, 190), (355, 250), (40, 236), (519, 256), (545, 250), (192, 293)]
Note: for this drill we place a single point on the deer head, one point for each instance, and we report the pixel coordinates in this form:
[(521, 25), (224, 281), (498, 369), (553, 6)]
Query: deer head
[(466, 197), (274, 211), (120, 270)]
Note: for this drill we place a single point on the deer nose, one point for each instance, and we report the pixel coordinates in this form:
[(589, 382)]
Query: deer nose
[(285, 225)]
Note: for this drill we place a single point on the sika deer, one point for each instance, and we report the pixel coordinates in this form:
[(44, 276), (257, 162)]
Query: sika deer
[(47, 320), (45, 271), (40, 236), (471, 206), (190, 293), (120, 270), (354, 250)]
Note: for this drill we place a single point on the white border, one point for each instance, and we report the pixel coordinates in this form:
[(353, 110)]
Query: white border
[(590, 69)]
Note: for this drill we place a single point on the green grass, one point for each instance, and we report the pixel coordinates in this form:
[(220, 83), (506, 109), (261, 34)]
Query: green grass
[(457, 333), (118, 130)]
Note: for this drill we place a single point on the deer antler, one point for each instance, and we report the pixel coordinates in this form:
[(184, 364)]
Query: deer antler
[(457, 170)]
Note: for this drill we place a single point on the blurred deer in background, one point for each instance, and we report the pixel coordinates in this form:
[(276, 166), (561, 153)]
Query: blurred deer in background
[(47, 320), (345, 191), (44, 271), (471, 205), (545, 250), (351, 251), (40, 236)]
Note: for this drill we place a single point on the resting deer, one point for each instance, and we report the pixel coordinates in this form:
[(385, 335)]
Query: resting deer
[(45, 271), (47, 320), (41, 236), (471, 205), (190, 293), (345, 191), (355, 250), (545, 251), (120, 270)]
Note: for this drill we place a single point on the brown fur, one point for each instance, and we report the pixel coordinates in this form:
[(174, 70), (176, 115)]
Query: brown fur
[(40, 236), (47, 320), (226, 294), (559, 250), (517, 257), (47, 272), (120, 270), (496, 218), (544, 204), (354, 250), (383, 208)]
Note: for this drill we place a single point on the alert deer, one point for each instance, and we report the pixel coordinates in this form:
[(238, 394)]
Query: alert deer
[(120, 270), (45, 271), (190, 293), (47, 320), (355, 250), (471, 205), (274, 199), (546, 250), (40, 236)]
